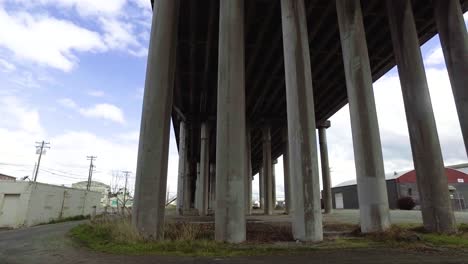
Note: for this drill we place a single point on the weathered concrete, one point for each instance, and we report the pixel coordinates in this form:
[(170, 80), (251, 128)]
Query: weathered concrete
[(428, 162), (267, 171), (212, 199), (307, 216), (182, 163), (203, 178), (248, 180), (370, 175), (273, 183), (287, 179), (187, 195), (151, 175), (326, 180), (231, 122), (261, 183), (454, 40)]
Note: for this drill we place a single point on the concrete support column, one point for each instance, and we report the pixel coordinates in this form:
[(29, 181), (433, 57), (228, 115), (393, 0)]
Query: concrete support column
[(267, 171), (427, 156), (326, 180), (307, 216), (370, 175), (212, 187), (454, 40), (261, 182), (287, 179), (182, 163), (203, 178), (273, 183), (187, 195), (231, 122), (248, 180), (151, 175)]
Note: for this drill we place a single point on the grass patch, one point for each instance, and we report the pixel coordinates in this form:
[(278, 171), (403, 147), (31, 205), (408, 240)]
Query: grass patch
[(186, 239)]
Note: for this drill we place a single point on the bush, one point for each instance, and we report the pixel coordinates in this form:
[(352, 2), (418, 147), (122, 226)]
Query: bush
[(406, 203)]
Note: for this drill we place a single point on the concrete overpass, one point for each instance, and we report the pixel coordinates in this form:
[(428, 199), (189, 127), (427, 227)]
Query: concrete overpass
[(247, 82)]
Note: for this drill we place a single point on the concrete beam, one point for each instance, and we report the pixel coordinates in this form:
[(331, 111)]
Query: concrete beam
[(202, 193), (267, 171), (231, 123), (182, 164), (273, 183), (326, 180), (287, 179), (427, 156), (370, 175), (261, 183), (248, 180), (151, 175), (303, 166), (454, 40)]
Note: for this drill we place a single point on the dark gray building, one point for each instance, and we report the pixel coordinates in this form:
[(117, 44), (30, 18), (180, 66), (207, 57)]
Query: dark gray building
[(403, 184)]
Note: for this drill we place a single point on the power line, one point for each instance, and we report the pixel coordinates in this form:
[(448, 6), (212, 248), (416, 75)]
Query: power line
[(40, 149), (62, 175), (91, 167)]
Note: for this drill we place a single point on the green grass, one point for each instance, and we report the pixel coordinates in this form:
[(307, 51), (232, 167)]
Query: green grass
[(182, 239)]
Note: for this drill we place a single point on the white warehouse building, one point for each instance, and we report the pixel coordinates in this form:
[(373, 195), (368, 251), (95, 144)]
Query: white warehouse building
[(25, 204)]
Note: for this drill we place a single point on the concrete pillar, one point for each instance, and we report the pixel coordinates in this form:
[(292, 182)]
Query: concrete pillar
[(326, 180), (303, 166), (454, 40), (267, 171), (261, 182), (248, 180), (151, 175), (203, 178), (231, 121), (427, 156), (370, 175), (287, 179), (182, 164), (273, 183), (187, 195), (212, 187)]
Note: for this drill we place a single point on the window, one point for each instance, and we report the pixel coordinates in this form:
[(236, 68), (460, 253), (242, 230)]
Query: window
[(410, 192)]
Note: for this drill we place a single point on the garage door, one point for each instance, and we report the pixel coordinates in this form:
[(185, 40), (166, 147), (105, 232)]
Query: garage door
[(9, 210), (339, 201)]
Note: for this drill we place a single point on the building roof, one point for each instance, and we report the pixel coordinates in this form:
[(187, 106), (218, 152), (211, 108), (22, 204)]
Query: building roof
[(4, 176), (453, 171)]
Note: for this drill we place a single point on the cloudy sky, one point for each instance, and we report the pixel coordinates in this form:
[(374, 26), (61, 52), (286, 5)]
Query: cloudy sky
[(72, 73)]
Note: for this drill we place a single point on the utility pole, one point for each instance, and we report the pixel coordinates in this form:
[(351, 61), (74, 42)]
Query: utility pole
[(91, 168), (126, 173), (40, 149)]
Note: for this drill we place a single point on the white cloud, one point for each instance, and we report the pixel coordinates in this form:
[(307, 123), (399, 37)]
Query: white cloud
[(83, 7), (436, 57), (121, 35), (104, 111), (17, 116), (96, 93), (46, 40), (6, 66), (68, 103)]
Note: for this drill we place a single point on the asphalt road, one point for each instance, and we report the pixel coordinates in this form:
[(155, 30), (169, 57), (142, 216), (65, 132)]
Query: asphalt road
[(49, 244)]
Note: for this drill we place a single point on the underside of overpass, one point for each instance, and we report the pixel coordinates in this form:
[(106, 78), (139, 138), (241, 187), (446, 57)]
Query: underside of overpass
[(248, 81), (196, 79)]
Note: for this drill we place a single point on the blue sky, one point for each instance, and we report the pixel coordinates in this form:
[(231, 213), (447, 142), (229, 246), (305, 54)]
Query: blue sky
[(72, 73)]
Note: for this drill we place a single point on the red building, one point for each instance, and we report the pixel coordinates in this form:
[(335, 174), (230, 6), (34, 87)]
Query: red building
[(403, 184)]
